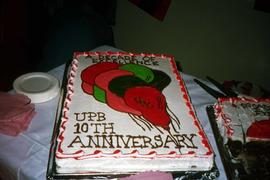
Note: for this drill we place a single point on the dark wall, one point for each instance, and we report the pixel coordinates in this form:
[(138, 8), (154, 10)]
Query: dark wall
[(26, 32)]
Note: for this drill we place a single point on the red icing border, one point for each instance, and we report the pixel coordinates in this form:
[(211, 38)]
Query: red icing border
[(68, 99), (183, 89), (117, 153), (244, 99)]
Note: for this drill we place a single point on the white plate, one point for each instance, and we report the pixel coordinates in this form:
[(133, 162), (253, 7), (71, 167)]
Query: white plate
[(38, 86)]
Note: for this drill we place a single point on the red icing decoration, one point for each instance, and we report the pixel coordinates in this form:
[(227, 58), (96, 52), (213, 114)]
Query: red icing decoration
[(233, 101), (89, 74), (114, 101), (87, 88), (151, 102), (97, 152), (259, 129)]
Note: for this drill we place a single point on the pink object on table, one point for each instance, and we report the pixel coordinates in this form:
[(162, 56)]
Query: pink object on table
[(16, 113), (150, 176)]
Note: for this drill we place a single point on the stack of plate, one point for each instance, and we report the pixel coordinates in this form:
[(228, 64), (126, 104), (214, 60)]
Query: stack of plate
[(39, 87)]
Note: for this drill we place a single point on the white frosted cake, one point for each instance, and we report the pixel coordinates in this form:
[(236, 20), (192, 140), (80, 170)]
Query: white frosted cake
[(243, 119), (128, 112), (244, 125)]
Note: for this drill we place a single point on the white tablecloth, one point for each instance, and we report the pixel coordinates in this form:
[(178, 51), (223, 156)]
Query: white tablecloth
[(25, 157)]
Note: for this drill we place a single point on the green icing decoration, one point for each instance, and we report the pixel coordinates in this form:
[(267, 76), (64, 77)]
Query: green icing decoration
[(140, 71), (120, 84), (161, 80), (99, 94)]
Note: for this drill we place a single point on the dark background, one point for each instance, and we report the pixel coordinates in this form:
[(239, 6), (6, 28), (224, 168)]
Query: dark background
[(37, 35), (33, 32)]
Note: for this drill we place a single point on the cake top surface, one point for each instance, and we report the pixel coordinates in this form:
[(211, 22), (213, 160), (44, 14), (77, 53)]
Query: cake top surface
[(244, 119), (128, 105)]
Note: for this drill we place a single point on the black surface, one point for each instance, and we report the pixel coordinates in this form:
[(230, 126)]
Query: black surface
[(40, 35)]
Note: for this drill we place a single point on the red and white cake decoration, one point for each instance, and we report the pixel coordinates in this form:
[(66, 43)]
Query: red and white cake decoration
[(243, 119), (127, 112)]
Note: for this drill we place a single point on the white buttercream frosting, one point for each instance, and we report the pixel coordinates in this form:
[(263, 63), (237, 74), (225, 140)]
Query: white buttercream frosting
[(93, 137)]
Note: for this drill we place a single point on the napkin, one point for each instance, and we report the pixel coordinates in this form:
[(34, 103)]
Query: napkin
[(16, 113), (149, 176)]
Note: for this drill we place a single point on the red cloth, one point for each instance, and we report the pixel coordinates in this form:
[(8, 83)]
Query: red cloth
[(16, 113)]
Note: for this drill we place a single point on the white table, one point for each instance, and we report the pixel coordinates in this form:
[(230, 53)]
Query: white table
[(26, 156)]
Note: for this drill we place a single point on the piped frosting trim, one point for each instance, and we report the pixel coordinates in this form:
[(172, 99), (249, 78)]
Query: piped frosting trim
[(67, 101)]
